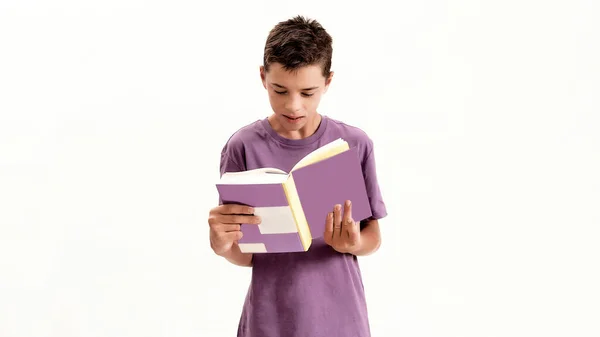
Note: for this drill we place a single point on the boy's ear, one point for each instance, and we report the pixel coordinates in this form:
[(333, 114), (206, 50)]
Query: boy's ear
[(263, 77), (328, 80)]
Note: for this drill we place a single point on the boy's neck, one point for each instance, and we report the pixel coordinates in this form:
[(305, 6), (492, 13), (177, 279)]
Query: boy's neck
[(308, 130)]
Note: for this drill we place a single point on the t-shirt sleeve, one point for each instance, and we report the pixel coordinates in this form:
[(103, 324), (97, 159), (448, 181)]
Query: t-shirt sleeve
[(378, 208), (232, 159)]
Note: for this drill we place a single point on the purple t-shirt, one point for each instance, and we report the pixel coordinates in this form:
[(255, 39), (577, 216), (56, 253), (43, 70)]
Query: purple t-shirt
[(305, 294)]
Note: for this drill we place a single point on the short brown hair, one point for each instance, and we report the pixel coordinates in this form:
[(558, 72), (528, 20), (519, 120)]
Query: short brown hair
[(299, 42)]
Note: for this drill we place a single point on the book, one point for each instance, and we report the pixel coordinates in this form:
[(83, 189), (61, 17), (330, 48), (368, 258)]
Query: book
[(293, 205)]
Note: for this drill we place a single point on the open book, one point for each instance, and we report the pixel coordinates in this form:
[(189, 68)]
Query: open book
[(293, 205)]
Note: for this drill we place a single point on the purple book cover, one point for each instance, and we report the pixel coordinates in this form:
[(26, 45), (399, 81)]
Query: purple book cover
[(332, 181), (255, 195)]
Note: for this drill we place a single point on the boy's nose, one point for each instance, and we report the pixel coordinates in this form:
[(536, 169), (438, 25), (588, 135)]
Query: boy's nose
[(293, 104)]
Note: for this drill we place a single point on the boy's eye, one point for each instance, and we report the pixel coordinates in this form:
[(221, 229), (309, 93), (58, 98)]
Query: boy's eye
[(285, 92)]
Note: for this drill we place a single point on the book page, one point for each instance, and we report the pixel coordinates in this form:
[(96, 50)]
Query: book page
[(276, 220), (256, 176), (329, 150)]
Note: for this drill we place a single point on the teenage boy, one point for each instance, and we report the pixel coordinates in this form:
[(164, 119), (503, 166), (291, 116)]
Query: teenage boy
[(318, 292)]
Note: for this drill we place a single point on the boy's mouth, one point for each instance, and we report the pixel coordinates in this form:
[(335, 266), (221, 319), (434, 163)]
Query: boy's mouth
[(293, 119)]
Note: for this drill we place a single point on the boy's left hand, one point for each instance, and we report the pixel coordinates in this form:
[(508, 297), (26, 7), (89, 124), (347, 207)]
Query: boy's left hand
[(341, 231)]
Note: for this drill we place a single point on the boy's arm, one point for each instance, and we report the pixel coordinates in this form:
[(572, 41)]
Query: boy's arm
[(235, 256), (370, 238), (232, 160), (370, 235)]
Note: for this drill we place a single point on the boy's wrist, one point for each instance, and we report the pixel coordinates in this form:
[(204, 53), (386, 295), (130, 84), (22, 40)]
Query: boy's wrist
[(368, 243), (360, 248), (235, 256)]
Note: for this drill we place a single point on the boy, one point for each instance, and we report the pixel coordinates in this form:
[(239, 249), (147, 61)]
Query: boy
[(319, 292)]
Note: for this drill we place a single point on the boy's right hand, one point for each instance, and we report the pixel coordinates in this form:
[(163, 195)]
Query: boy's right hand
[(225, 222)]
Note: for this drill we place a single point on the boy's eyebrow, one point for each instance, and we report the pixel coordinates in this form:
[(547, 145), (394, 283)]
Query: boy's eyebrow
[(282, 87)]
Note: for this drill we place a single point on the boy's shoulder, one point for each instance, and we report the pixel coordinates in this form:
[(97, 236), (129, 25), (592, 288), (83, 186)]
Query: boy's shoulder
[(247, 134), (350, 130), (233, 152), (354, 135)]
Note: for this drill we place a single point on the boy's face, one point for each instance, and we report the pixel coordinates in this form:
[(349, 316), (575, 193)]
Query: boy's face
[(294, 97)]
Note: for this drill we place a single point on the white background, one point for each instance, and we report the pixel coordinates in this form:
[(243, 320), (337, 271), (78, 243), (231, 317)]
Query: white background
[(484, 116)]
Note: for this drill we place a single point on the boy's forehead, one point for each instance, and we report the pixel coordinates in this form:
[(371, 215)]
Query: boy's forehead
[(300, 78)]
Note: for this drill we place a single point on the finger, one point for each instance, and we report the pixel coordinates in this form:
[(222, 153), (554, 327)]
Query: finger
[(230, 236), (348, 222), (328, 228), (352, 231), (236, 209), (337, 220), (227, 227), (354, 235), (240, 219)]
